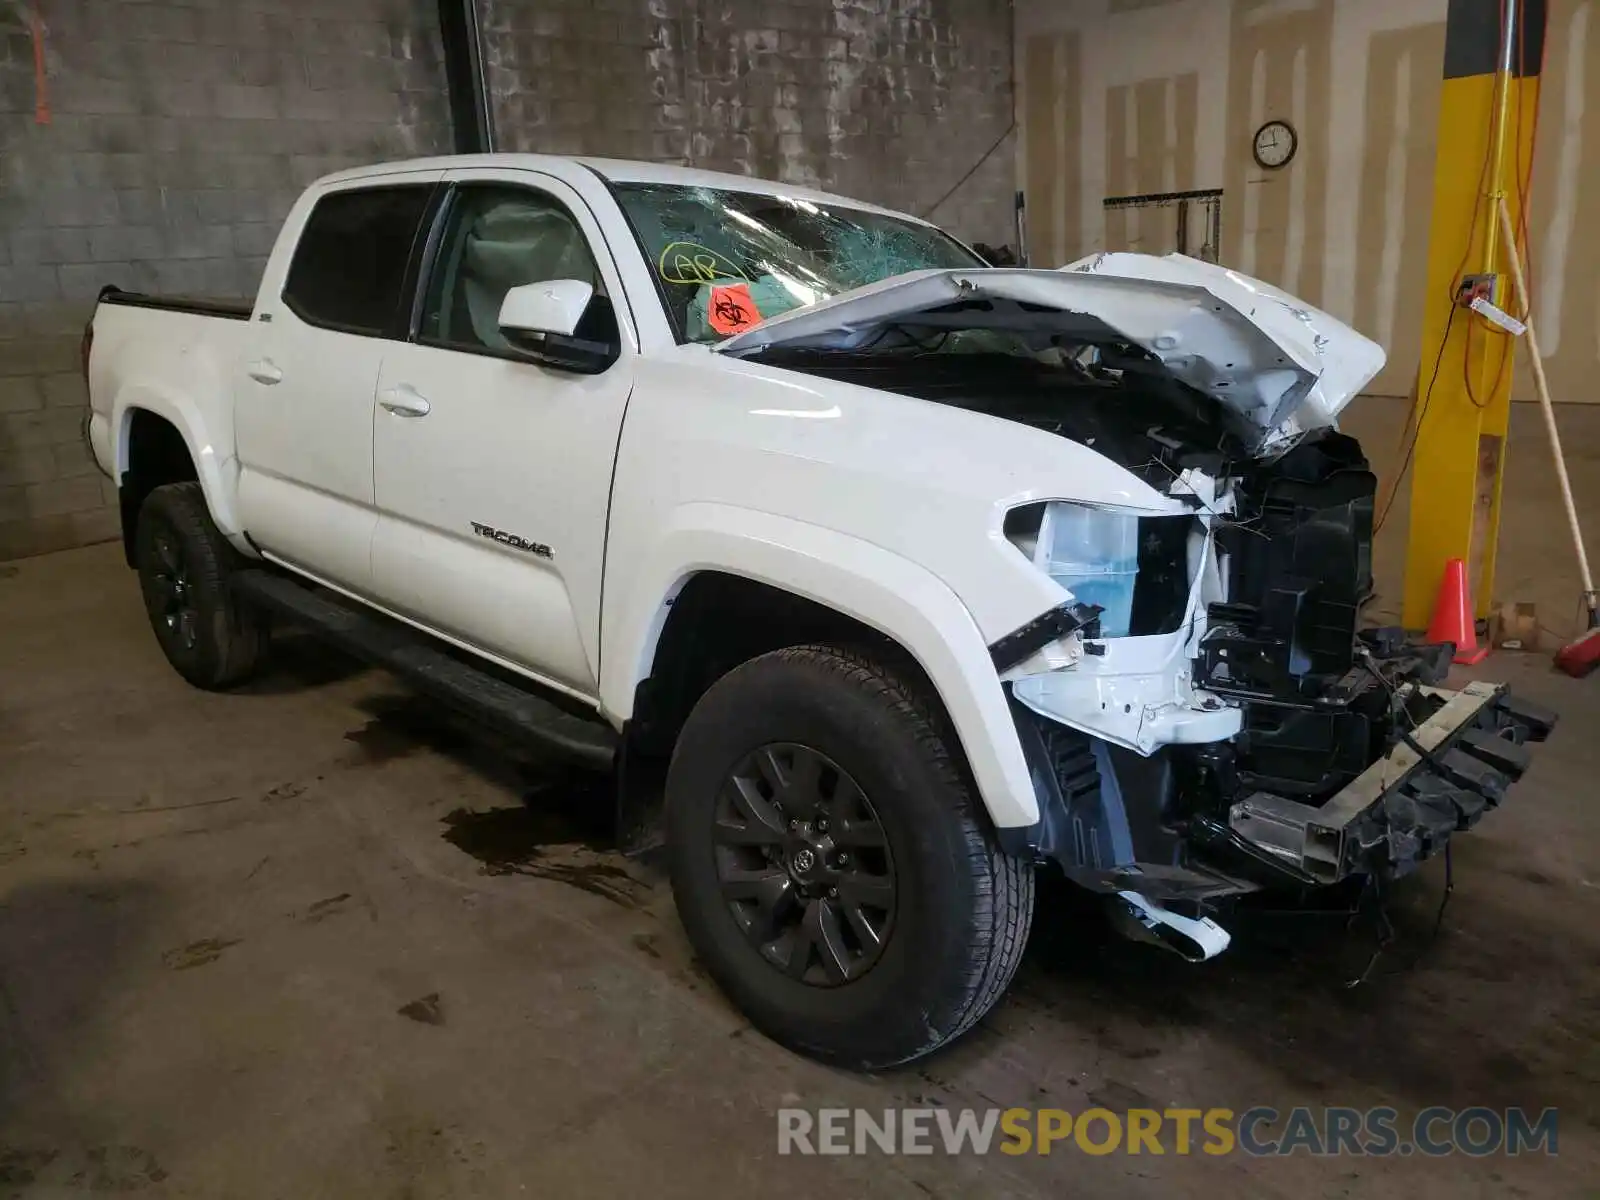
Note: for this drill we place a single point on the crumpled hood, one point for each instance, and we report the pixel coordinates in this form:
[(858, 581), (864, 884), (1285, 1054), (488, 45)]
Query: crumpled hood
[(1283, 365)]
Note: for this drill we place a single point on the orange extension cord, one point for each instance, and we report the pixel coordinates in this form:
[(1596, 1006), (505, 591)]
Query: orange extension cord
[(41, 85)]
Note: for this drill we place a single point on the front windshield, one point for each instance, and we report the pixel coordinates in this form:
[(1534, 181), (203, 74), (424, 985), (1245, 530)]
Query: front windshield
[(727, 260)]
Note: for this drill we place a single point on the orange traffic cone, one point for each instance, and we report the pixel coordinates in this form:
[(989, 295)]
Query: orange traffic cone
[(1452, 616)]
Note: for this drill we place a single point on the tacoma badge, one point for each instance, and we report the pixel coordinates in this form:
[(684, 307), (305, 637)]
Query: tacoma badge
[(512, 540)]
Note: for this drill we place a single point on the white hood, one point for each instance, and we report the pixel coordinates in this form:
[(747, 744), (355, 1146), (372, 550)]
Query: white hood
[(1283, 365)]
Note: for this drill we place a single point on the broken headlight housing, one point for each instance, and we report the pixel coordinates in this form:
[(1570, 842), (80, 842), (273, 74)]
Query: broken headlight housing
[(1092, 553)]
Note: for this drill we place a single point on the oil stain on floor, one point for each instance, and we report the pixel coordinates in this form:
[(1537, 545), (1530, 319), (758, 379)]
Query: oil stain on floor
[(196, 954), (401, 725), (560, 832), (427, 1010)]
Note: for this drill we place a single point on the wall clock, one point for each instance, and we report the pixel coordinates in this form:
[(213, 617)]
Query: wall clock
[(1275, 144)]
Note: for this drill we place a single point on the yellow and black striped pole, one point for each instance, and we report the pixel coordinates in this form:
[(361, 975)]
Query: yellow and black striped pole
[(1488, 102)]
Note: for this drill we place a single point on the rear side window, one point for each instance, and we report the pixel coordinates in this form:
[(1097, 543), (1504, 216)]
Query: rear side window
[(350, 265)]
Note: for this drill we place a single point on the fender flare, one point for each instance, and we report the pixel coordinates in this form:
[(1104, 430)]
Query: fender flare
[(216, 467), (900, 599)]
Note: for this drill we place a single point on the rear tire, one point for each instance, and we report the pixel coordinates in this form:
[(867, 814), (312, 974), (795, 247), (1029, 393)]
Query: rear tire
[(184, 563), (898, 959)]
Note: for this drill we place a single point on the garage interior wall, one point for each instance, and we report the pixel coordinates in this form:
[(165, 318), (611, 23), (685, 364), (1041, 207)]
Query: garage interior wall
[(891, 101), (1127, 97), (157, 145)]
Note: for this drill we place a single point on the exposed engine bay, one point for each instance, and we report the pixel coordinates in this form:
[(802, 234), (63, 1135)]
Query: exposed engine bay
[(1223, 723)]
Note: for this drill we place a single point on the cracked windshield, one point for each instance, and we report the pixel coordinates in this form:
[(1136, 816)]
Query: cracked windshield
[(726, 261)]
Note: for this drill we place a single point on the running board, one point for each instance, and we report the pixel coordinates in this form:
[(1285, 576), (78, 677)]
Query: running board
[(416, 658)]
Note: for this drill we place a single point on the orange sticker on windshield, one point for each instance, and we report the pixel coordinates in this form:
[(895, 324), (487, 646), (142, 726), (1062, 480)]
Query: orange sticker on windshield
[(731, 310)]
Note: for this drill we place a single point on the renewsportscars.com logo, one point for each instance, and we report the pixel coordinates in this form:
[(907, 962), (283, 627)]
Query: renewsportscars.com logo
[(1258, 1132)]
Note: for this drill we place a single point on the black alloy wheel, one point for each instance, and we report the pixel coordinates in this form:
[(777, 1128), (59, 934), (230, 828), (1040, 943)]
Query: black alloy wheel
[(184, 564), (833, 867), (173, 603), (804, 864)]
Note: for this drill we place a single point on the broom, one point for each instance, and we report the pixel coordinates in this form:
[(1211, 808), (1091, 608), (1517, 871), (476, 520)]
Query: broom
[(1577, 658)]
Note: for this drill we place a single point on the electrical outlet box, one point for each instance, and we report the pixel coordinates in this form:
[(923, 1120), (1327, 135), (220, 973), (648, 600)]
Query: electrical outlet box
[(1474, 287)]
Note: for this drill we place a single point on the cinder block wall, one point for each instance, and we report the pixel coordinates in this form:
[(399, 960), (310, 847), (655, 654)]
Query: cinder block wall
[(167, 142), (171, 136), (891, 101)]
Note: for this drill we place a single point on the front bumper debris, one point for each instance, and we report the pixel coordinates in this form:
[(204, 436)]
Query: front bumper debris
[(1143, 920), (1120, 823), (1455, 766)]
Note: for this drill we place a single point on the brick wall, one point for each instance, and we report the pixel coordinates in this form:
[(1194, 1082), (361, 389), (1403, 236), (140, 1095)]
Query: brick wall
[(891, 101), (179, 133)]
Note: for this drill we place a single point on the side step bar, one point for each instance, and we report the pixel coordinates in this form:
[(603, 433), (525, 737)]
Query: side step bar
[(413, 656)]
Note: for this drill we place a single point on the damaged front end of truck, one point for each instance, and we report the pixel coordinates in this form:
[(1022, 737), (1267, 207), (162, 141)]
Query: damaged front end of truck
[(1350, 758), (1204, 714)]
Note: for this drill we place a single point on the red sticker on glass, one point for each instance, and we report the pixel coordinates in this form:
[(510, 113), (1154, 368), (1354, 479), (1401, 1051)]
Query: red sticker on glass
[(731, 310)]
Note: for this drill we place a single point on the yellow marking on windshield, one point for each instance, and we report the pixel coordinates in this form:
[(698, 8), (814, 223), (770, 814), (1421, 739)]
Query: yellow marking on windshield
[(685, 262)]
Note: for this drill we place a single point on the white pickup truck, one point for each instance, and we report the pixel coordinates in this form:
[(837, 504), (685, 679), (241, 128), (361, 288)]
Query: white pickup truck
[(907, 575)]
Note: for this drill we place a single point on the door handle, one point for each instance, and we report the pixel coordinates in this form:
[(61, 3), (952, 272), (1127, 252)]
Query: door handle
[(403, 400), (264, 370)]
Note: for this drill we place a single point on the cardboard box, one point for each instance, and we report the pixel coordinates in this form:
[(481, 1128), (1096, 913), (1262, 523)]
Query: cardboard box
[(1514, 627)]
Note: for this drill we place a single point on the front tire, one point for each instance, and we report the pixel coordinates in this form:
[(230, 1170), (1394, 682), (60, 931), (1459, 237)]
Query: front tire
[(184, 562), (831, 865)]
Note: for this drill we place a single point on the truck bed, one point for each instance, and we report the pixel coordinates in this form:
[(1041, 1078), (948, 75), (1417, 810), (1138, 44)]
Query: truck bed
[(147, 351)]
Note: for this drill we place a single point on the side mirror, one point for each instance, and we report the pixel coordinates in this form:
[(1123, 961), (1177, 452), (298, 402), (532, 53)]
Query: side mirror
[(553, 306), (541, 320)]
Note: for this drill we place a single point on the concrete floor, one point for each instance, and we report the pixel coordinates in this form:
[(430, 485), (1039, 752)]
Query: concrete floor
[(313, 939)]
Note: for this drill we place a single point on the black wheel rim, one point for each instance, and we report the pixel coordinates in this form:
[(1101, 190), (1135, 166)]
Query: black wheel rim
[(804, 865), (172, 597)]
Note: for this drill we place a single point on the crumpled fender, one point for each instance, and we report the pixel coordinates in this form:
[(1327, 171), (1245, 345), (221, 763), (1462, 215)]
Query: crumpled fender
[(881, 589)]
